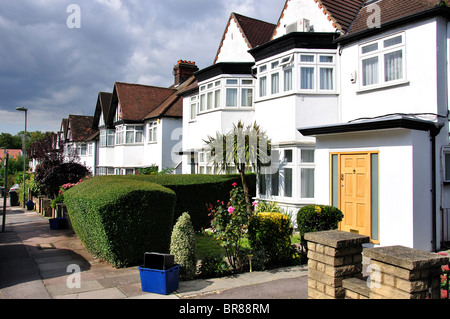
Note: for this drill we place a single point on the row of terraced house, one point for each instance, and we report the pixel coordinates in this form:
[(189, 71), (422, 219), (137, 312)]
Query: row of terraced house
[(353, 95)]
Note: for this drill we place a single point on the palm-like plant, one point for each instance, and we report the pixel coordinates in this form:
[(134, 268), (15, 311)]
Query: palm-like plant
[(243, 147)]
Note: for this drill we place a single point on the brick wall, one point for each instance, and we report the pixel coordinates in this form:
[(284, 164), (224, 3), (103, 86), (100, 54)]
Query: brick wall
[(396, 272)]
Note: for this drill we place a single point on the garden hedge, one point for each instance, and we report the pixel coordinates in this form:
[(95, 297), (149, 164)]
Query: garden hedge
[(195, 191), (118, 219)]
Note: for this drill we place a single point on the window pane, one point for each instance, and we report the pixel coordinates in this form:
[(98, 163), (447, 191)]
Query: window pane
[(209, 101), (447, 167), (326, 59), (232, 97), (288, 80), (217, 99), (369, 48), (111, 137), (274, 64), (275, 83), (393, 41), (288, 156), (393, 66), (202, 102), (232, 82), (307, 183), (247, 97), (193, 111), (130, 137), (262, 184), (307, 78), (262, 68), (307, 58), (102, 138), (275, 184), (247, 82), (262, 86), (307, 156), (326, 78), (370, 71), (288, 182), (139, 134)]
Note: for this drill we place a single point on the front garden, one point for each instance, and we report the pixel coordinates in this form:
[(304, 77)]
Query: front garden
[(204, 221)]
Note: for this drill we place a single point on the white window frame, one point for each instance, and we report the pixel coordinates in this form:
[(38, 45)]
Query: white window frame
[(153, 132), (193, 108), (213, 94), (317, 65), (380, 53)]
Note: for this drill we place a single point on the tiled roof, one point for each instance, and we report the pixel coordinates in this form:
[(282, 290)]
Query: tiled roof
[(12, 153), (342, 12), (172, 106), (103, 105), (137, 101), (255, 32), (80, 127), (391, 10)]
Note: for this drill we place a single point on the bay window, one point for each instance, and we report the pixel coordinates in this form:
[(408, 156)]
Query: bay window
[(317, 72), (382, 61)]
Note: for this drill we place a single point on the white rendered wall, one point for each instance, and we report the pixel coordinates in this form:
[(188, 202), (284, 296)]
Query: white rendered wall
[(404, 181), (234, 47), (417, 95), (304, 9)]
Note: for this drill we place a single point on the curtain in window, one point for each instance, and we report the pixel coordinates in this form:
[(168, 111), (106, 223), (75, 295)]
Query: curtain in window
[(275, 83), (307, 183), (370, 71), (129, 137), (217, 98), (232, 97), (307, 156), (288, 79), (139, 134), (262, 86), (326, 78), (247, 97), (393, 66), (307, 78)]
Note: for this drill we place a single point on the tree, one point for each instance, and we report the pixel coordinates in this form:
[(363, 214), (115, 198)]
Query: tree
[(47, 147), (52, 174), (10, 142), (184, 247), (243, 147)]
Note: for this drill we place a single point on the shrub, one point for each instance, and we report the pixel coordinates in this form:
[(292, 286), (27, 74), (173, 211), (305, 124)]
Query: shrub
[(313, 218), (52, 174), (184, 247), (229, 225), (119, 220), (269, 236), (195, 191), (214, 266)]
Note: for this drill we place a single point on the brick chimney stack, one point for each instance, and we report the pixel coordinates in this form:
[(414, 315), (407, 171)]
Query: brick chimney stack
[(183, 71)]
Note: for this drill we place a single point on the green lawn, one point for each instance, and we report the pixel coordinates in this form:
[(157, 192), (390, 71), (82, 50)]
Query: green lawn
[(207, 245)]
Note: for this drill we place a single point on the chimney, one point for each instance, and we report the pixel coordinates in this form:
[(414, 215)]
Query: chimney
[(183, 71)]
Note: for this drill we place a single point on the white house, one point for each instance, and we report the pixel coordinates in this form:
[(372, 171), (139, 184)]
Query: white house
[(140, 125), (354, 96), (382, 161), (79, 140)]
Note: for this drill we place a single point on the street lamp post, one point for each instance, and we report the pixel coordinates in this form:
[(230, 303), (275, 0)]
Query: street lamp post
[(22, 109)]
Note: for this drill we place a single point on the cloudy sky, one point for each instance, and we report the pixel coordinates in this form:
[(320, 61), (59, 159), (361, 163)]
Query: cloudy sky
[(54, 68)]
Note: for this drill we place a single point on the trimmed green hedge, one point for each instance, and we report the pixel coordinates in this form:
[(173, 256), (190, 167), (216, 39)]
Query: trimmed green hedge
[(195, 191), (118, 219)]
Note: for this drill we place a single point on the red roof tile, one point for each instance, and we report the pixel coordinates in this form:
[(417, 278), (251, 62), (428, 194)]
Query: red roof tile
[(12, 153), (80, 127)]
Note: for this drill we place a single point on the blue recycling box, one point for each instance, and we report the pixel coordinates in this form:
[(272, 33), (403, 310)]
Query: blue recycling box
[(161, 282)]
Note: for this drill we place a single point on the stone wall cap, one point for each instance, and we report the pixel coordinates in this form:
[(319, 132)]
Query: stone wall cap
[(405, 257), (336, 238)]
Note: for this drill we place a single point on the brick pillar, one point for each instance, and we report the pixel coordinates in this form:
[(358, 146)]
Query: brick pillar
[(333, 256), (403, 273)]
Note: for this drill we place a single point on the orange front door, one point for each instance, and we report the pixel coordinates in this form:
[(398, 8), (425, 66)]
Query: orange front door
[(355, 201)]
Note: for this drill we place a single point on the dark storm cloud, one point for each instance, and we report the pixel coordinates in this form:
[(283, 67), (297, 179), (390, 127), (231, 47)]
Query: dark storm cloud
[(55, 70)]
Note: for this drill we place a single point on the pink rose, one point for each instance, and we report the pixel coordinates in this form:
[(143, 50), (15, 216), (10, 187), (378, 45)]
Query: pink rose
[(234, 184), (231, 209)]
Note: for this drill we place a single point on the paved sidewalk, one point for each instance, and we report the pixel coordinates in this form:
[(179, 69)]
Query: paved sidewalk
[(35, 264)]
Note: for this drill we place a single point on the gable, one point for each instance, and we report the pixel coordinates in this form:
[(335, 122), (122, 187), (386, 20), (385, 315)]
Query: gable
[(296, 11), (242, 34)]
